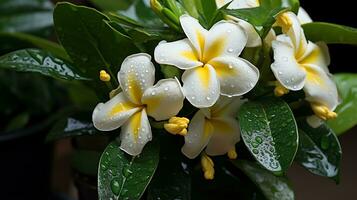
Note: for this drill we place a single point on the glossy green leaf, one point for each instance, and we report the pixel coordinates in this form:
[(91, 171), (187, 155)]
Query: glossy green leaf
[(141, 12), (207, 12), (112, 5), (346, 119), (121, 176), (330, 33), (29, 16), (172, 179), (170, 71), (319, 150), (273, 187), (90, 41), (85, 161), (70, 127), (269, 130), (33, 41), (264, 16), (34, 60)]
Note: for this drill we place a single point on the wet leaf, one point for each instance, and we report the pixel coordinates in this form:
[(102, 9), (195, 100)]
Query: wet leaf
[(269, 131), (34, 60), (273, 187), (319, 150), (121, 176), (70, 127)]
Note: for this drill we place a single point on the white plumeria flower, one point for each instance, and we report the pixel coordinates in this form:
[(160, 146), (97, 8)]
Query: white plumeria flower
[(211, 61), (301, 64), (215, 127), (253, 37), (303, 16), (140, 97)]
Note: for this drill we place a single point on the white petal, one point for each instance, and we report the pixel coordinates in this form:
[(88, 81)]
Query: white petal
[(320, 88), (201, 86), (226, 107), (253, 37), (164, 99), (221, 3), (314, 121), (225, 38), (237, 76), (114, 113), (198, 135), (316, 54), (194, 32), (135, 133), (179, 53), (303, 17), (225, 135), (136, 74), (296, 34), (240, 4), (285, 67)]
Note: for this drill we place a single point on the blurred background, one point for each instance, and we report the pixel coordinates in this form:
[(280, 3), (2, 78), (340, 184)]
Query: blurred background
[(28, 151)]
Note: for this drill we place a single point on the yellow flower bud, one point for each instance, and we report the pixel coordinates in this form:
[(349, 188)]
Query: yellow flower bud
[(177, 125), (232, 154), (323, 112), (207, 166), (104, 76), (280, 90)]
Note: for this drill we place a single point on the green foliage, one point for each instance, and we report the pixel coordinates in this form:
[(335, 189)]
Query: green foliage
[(85, 161), (70, 127), (121, 176), (330, 33), (264, 16), (346, 119), (319, 150), (90, 41), (273, 187), (30, 16), (20, 39), (34, 60), (112, 5), (269, 131)]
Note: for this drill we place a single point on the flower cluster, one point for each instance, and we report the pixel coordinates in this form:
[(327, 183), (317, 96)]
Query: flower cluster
[(214, 80)]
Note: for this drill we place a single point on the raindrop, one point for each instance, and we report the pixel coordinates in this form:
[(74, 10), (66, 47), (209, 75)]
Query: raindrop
[(127, 171), (279, 72), (153, 93), (255, 151), (285, 59), (115, 186), (230, 50), (193, 97), (208, 98), (166, 88)]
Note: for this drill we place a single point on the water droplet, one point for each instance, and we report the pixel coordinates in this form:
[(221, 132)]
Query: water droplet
[(229, 30), (208, 98), (285, 59), (255, 144), (279, 72), (127, 171), (166, 88), (115, 186), (230, 50), (255, 151), (258, 139), (193, 97)]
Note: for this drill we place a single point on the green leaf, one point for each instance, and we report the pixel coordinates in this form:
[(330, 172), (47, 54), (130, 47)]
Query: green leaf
[(264, 16), (19, 121), (121, 176), (85, 161), (38, 42), (273, 187), (70, 127), (30, 16), (90, 41), (319, 150), (34, 60), (330, 33), (207, 10), (112, 5), (346, 119), (170, 71), (141, 12), (172, 179), (269, 130)]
